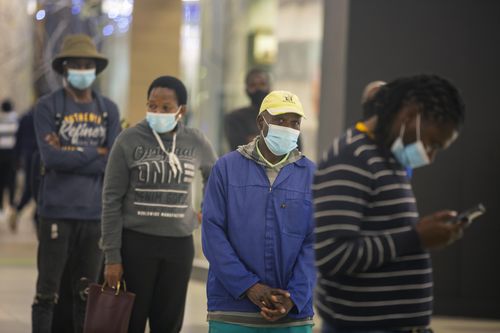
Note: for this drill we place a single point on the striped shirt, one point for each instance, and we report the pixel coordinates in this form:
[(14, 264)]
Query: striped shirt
[(373, 271)]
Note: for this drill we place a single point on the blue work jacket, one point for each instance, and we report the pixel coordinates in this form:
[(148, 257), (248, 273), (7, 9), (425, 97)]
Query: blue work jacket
[(254, 232)]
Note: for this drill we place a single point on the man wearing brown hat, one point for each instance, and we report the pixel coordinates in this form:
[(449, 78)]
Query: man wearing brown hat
[(75, 129)]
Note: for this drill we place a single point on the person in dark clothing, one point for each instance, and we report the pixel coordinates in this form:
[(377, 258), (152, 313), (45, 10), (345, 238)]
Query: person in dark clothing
[(372, 247), (75, 129), (8, 129), (25, 147), (240, 125)]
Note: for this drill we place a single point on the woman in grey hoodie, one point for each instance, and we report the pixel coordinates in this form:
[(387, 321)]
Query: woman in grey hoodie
[(147, 219)]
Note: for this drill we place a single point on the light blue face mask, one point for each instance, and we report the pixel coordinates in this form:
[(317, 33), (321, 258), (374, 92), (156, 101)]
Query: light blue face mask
[(162, 122), (413, 155), (81, 78), (280, 139)]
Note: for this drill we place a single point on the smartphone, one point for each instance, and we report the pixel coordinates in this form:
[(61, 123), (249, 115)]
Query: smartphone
[(470, 215)]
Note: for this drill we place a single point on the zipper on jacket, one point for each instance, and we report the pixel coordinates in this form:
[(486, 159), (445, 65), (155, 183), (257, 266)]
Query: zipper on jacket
[(265, 175)]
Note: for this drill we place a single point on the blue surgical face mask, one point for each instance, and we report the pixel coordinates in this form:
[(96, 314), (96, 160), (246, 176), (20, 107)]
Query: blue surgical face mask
[(413, 155), (162, 122), (280, 139), (81, 78)]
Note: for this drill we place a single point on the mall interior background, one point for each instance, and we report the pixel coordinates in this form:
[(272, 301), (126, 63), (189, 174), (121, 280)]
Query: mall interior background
[(325, 51)]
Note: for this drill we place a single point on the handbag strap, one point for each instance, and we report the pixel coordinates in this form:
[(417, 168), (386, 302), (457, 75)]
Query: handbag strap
[(124, 287)]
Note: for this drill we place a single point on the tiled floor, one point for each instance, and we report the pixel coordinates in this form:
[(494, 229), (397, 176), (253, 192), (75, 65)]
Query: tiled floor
[(18, 274)]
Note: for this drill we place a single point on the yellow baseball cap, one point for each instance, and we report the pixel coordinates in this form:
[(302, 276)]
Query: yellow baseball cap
[(279, 102)]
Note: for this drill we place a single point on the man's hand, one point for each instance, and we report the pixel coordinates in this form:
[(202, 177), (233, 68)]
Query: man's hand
[(435, 231), (102, 150), (53, 140), (112, 274), (259, 294), (281, 306), (274, 303)]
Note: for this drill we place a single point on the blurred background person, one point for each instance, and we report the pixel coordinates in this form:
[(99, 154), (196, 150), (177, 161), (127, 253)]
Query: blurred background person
[(25, 148), (240, 125), (8, 129)]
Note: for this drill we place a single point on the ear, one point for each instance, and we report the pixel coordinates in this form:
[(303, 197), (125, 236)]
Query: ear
[(260, 122), (64, 70), (182, 111)]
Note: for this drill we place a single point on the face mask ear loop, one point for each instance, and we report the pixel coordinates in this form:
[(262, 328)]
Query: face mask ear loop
[(402, 131), (261, 131), (418, 127), (178, 111)]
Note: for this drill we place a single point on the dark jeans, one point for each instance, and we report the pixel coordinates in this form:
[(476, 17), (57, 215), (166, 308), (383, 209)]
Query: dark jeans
[(327, 328), (27, 195), (7, 175), (157, 270), (65, 242)]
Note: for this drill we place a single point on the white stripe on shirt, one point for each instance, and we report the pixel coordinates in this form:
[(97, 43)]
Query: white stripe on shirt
[(364, 148), (338, 212), (376, 289), (346, 198), (345, 167), (347, 183), (397, 273), (159, 205), (327, 258), (342, 261), (378, 303), (332, 227)]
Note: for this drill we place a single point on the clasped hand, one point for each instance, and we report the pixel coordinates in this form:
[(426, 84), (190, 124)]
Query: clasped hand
[(274, 303)]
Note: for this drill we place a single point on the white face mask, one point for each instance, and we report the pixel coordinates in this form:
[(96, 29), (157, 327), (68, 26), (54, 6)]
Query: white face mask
[(81, 78), (413, 155), (280, 139), (162, 122)]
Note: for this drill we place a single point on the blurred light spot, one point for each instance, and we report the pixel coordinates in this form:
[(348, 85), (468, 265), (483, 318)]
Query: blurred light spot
[(124, 29), (123, 23), (40, 15), (108, 30)]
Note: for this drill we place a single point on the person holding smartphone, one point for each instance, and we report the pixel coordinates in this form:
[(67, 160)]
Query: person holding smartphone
[(371, 244)]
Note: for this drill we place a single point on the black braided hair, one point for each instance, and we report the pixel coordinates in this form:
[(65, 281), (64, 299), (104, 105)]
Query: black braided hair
[(437, 98)]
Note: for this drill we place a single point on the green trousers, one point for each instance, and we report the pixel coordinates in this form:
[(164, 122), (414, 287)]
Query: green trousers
[(220, 327)]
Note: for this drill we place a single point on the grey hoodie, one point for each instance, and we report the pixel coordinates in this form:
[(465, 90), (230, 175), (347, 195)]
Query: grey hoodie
[(141, 191)]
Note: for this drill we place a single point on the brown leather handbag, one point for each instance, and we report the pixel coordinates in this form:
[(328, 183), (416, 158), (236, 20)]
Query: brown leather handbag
[(108, 310)]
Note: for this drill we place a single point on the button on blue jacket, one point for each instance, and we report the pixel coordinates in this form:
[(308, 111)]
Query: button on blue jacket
[(254, 232)]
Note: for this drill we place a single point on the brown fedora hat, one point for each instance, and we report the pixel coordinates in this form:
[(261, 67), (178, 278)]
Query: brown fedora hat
[(79, 46)]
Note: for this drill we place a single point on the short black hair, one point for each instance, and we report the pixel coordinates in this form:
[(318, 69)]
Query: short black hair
[(173, 83), (7, 105), (257, 71), (437, 98)]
